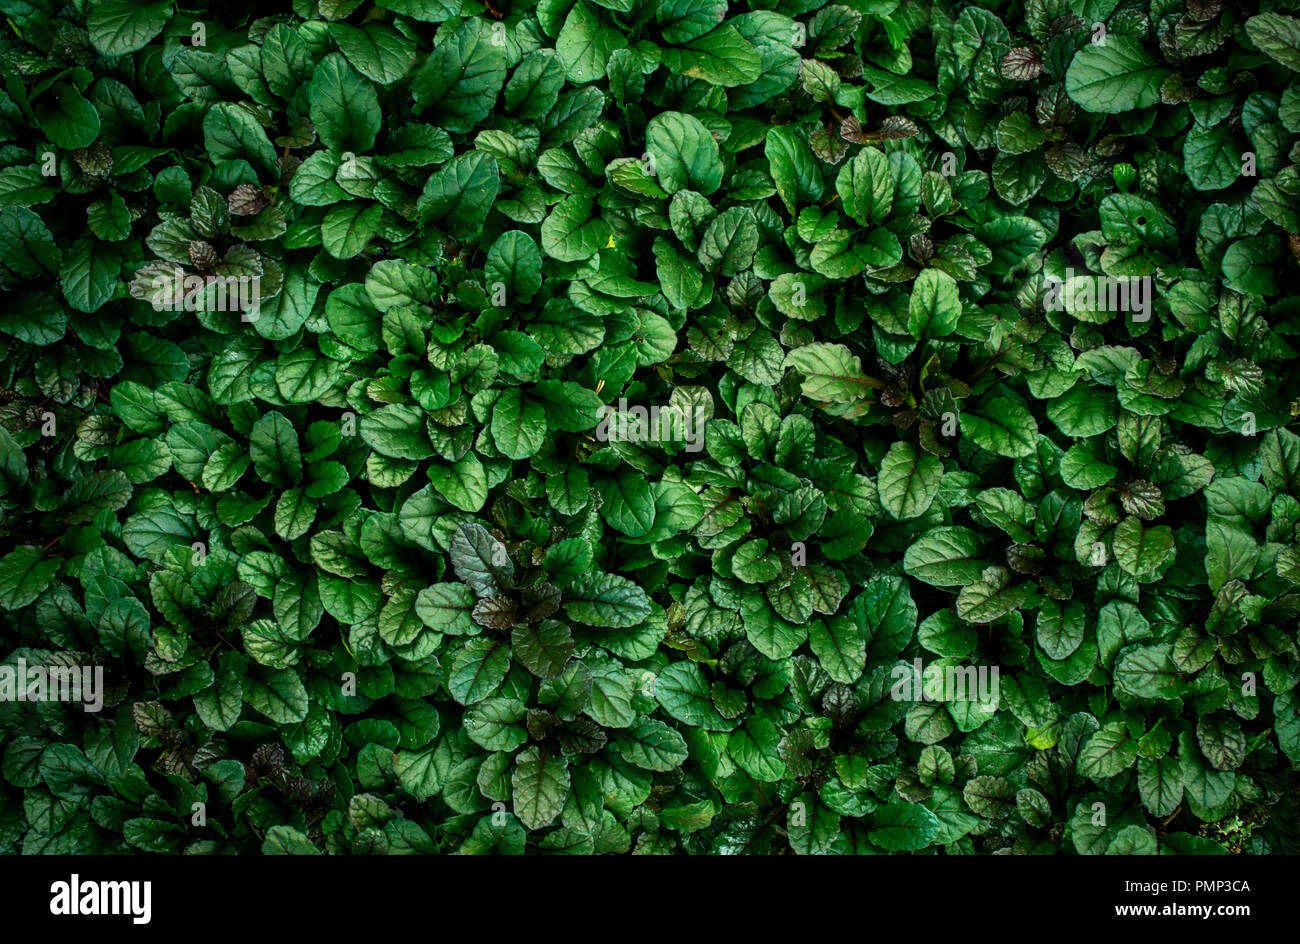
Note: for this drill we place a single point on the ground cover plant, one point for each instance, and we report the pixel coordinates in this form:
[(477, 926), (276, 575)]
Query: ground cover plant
[(950, 502)]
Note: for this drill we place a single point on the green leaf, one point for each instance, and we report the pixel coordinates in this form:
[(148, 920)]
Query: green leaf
[(831, 373), (535, 84), (685, 154), (991, 597), (66, 118), (1212, 157), (720, 57), (1001, 426), (348, 228), (24, 575), (460, 195), (793, 168), (1278, 35), (543, 648), (606, 600), (935, 307), (1148, 672), (683, 20), (514, 263), (220, 706), (464, 483), (377, 51), (1160, 784), (420, 772), (1145, 552), (729, 243), (627, 503), (651, 745), (446, 607), (839, 647), (1109, 751), (900, 826), (946, 557), (1121, 75), (866, 186), (571, 233), (539, 787), (107, 490), (683, 691), (460, 80), (392, 283), (281, 696), (1061, 627), (273, 447), (344, 106), (518, 425), (232, 133), (908, 481), (481, 560), (478, 670), (89, 275), (118, 27), (285, 840), (585, 43), (680, 280)]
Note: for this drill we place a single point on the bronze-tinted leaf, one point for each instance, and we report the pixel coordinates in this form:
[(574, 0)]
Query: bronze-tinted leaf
[(1066, 160), (851, 130), (1022, 64), (95, 160), (896, 127), (1143, 499), (542, 648), (796, 749), (1177, 89), (905, 419), (838, 701), (583, 736), (495, 612), (152, 718), (1026, 558), (829, 148), (1103, 506), (246, 200), (539, 602), (1065, 23), (267, 762), (540, 724), (1054, 106), (202, 255)]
